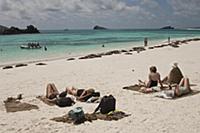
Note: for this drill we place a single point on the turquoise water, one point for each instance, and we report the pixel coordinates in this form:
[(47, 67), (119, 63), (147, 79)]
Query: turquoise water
[(76, 42)]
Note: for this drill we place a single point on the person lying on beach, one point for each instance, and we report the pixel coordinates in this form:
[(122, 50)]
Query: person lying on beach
[(51, 91), (177, 90), (175, 75), (154, 79), (81, 94), (59, 99)]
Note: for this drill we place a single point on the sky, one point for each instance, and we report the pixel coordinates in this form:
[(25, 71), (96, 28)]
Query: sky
[(113, 14)]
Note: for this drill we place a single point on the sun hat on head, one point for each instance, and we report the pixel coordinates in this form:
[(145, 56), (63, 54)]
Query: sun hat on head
[(175, 64)]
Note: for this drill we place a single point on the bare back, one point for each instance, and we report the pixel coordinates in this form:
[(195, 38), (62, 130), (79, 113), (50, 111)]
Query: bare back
[(154, 76)]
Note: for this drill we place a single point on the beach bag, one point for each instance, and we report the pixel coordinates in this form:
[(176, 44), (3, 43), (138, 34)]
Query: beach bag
[(64, 101), (107, 104), (77, 115)]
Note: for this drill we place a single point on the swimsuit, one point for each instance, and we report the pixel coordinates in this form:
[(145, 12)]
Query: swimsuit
[(79, 92), (153, 83)]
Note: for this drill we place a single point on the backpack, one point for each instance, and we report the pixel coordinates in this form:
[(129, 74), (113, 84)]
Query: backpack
[(64, 101), (106, 104), (77, 115)]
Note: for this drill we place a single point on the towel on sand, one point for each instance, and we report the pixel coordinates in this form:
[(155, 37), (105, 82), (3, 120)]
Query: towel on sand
[(145, 90), (169, 94), (90, 117), (46, 100), (133, 87), (14, 105)]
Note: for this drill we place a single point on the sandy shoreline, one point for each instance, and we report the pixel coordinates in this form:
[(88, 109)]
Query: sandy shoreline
[(76, 56), (108, 75)]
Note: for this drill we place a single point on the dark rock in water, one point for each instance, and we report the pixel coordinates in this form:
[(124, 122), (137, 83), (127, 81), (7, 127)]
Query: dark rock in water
[(14, 30), (99, 28), (71, 59), (138, 49), (131, 50), (113, 52), (174, 45), (184, 41), (124, 51), (196, 39), (41, 64), (128, 53), (167, 27), (21, 65), (90, 56), (151, 47), (177, 42), (7, 67), (158, 46)]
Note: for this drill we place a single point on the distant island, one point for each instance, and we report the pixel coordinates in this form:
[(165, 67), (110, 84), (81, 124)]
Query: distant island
[(15, 30), (194, 27), (167, 27), (99, 28)]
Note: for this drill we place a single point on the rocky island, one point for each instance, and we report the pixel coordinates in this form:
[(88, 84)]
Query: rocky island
[(15, 30), (167, 28), (99, 28)]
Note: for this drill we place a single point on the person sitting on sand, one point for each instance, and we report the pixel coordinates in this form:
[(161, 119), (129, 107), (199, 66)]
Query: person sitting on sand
[(154, 78), (177, 90), (175, 75), (81, 94)]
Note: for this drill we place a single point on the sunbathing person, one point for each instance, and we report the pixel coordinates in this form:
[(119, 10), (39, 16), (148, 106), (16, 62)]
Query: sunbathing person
[(81, 94), (175, 75), (51, 91), (59, 99), (154, 79), (177, 90)]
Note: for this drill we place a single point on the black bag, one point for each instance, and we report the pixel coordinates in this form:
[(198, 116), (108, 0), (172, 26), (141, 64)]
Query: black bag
[(64, 101), (106, 104)]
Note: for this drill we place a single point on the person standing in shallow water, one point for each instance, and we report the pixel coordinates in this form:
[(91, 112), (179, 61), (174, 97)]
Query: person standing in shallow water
[(169, 39), (145, 41), (45, 48)]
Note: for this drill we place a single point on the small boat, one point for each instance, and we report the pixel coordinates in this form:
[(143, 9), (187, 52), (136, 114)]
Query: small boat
[(31, 46)]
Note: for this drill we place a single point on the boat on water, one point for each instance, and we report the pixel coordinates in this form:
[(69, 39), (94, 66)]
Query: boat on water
[(31, 46)]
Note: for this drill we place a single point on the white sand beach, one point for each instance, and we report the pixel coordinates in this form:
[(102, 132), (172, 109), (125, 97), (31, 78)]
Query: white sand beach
[(108, 75)]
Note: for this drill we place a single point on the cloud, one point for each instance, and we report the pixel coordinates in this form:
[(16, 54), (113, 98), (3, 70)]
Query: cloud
[(86, 13), (4, 6), (186, 7), (54, 10)]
